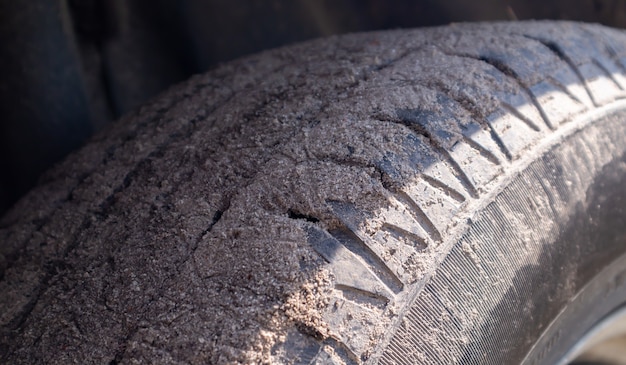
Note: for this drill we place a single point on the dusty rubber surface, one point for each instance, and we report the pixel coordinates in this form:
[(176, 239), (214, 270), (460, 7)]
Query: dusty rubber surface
[(289, 207)]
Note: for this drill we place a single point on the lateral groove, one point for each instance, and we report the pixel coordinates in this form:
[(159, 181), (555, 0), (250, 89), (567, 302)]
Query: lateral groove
[(608, 47), (444, 188), (456, 169), (511, 74), (352, 242), (343, 351), (360, 296), (520, 116), (403, 235), (564, 89), (485, 152), (606, 72), (419, 215), (477, 118), (556, 50), (353, 269)]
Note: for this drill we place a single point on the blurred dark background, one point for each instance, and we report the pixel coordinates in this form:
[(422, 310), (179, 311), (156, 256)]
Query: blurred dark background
[(68, 67)]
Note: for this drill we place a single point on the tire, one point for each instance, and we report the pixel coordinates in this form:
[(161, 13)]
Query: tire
[(444, 195)]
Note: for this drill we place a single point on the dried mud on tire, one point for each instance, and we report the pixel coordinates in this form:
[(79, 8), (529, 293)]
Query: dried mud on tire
[(391, 197)]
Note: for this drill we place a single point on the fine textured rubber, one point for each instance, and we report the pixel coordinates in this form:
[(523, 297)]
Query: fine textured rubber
[(442, 195)]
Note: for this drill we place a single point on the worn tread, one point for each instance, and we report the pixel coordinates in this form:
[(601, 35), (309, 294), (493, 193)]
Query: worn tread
[(410, 151)]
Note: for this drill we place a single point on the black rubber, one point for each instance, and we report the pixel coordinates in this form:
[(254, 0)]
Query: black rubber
[(443, 195)]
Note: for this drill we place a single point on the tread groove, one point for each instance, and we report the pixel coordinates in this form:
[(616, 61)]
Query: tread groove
[(509, 73), (496, 138), (419, 215), (556, 50), (607, 72), (354, 244), (520, 116), (343, 351), (485, 152), (299, 216), (444, 188), (445, 155), (419, 242), (359, 296), (614, 57), (564, 89), (481, 121)]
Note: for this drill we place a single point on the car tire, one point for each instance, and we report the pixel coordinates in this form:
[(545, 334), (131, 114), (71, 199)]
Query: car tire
[(440, 195)]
